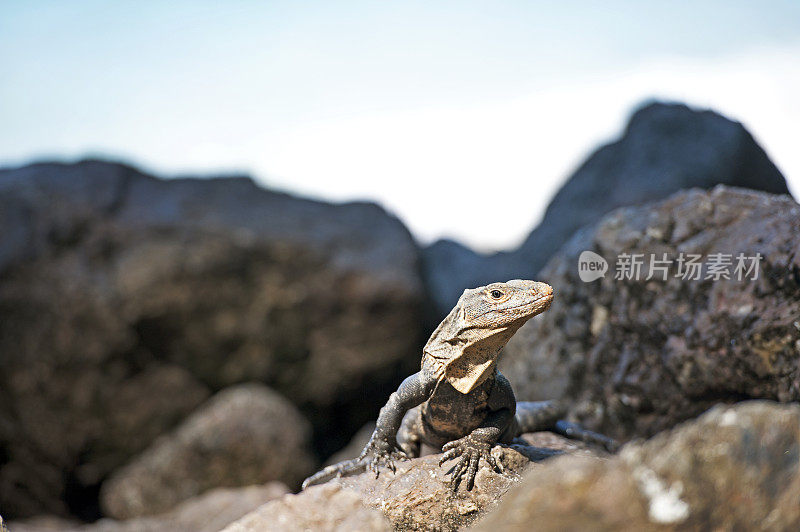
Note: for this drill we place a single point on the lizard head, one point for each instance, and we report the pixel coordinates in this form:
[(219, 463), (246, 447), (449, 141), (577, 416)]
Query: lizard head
[(470, 338), (500, 305)]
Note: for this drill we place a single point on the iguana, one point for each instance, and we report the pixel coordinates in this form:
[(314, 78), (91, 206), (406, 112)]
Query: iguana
[(459, 402)]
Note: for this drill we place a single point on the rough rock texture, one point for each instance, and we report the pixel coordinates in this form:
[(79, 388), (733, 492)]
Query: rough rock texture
[(326, 507), (209, 512), (665, 148), (736, 468), (637, 357), (125, 299), (244, 435), (417, 497)]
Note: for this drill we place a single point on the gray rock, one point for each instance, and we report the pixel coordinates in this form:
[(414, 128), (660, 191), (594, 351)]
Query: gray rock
[(208, 512), (244, 435), (637, 357), (111, 278), (665, 148), (735, 468)]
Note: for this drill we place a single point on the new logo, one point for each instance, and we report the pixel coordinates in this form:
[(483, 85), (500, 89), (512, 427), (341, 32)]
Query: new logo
[(591, 266)]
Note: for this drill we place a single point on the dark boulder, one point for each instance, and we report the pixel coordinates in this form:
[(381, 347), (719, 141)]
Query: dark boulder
[(119, 290), (636, 357), (665, 148)]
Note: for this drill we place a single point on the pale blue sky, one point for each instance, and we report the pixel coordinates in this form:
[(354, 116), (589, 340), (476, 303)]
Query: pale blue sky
[(423, 106)]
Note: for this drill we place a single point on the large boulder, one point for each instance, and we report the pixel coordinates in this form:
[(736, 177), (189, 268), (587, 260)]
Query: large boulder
[(126, 299), (735, 468), (416, 497), (637, 356), (665, 148), (244, 435)]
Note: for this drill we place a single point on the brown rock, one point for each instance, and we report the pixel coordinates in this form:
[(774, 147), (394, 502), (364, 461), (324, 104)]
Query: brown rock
[(416, 497), (735, 468), (326, 507), (109, 277), (208, 512), (247, 434), (637, 357)]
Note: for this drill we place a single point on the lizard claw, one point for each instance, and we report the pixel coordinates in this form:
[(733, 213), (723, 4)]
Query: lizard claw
[(470, 451), (377, 454), (386, 460), (380, 455)]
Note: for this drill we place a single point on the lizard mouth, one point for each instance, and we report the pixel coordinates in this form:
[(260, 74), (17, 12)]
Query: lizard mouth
[(544, 298)]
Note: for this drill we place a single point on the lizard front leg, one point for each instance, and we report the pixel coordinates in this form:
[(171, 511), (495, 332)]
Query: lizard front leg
[(474, 446), (478, 443), (382, 449)]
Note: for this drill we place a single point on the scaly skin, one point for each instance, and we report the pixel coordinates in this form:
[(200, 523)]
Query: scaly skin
[(458, 402)]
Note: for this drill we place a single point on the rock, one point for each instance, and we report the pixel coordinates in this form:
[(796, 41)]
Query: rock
[(113, 283), (244, 435), (637, 357), (665, 148), (735, 468), (326, 507), (416, 497), (209, 512)]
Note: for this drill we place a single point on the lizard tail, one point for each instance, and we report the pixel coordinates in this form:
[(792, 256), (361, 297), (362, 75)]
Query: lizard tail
[(539, 415), (547, 415), (342, 469)]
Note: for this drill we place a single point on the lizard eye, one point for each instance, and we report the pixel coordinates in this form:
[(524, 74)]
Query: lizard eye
[(496, 294)]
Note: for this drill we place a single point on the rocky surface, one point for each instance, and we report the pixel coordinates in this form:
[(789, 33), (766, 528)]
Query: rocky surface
[(326, 507), (637, 357), (736, 468), (665, 148), (125, 300), (416, 497), (209, 512), (244, 435)]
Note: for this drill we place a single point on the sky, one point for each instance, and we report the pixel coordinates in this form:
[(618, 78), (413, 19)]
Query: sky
[(434, 109)]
